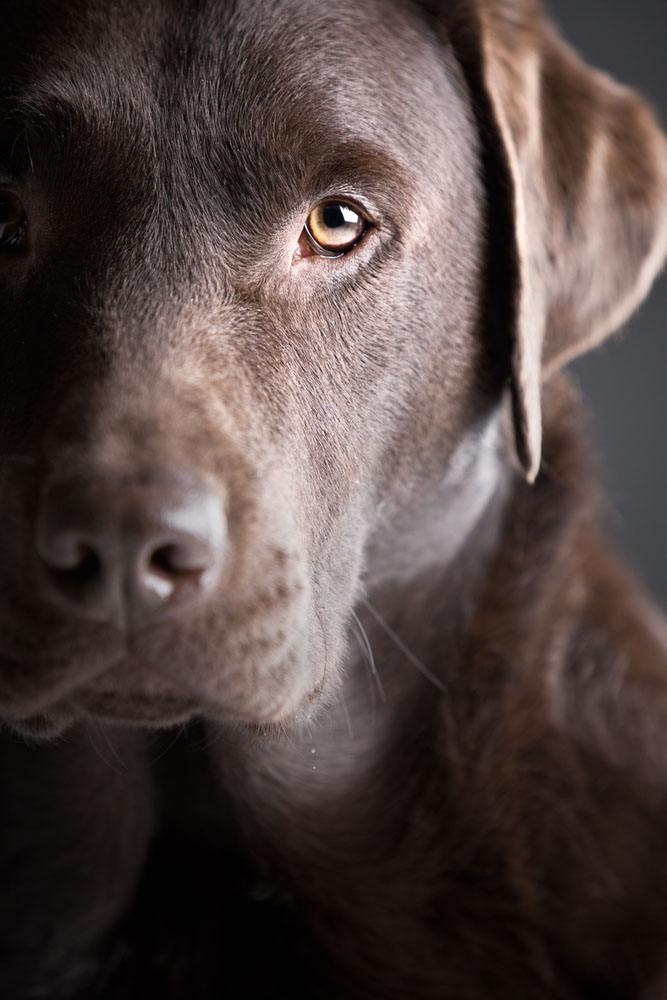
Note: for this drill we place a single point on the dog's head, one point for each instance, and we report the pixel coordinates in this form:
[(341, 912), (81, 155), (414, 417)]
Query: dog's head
[(267, 270)]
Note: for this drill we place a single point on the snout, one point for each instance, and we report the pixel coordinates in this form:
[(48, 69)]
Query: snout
[(151, 572), (129, 551)]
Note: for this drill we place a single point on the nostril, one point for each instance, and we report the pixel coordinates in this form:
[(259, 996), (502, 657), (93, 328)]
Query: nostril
[(180, 560), (176, 566), (62, 549), (78, 574), (82, 564), (165, 561)]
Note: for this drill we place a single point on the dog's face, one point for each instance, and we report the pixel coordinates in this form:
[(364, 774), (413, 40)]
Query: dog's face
[(178, 350), (247, 297)]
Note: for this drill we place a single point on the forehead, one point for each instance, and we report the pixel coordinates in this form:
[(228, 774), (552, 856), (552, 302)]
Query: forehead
[(257, 77)]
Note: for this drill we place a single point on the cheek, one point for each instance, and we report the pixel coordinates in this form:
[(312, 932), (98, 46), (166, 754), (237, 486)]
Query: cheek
[(325, 455)]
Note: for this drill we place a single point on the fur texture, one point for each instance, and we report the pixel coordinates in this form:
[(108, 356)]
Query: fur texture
[(411, 746)]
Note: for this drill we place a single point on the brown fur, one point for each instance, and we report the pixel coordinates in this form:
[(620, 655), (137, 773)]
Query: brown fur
[(411, 745)]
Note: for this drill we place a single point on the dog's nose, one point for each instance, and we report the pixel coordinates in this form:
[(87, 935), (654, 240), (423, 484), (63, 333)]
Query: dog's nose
[(129, 551)]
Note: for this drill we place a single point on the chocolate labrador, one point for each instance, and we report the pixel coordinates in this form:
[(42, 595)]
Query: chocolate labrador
[(317, 677)]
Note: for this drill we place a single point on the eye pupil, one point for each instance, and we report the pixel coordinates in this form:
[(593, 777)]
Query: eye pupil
[(335, 216)]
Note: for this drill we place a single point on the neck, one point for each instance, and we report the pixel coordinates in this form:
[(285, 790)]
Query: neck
[(423, 578), (362, 817)]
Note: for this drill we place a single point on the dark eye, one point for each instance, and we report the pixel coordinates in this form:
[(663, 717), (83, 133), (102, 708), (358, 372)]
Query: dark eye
[(13, 225), (333, 228)]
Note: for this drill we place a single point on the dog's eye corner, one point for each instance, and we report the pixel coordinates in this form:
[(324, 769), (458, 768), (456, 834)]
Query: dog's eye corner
[(13, 223), (332, 229)]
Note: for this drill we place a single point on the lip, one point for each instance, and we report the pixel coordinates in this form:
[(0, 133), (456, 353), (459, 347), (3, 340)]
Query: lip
[(136, 709), (42, 726), (18, 704), (121, 693)]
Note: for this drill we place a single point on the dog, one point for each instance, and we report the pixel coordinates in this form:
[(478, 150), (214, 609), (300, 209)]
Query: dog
[(317, 675)]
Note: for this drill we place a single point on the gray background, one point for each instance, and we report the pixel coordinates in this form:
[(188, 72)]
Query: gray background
[(624, 380)]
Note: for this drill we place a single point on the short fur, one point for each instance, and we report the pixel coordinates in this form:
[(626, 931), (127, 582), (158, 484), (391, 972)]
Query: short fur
[(412, 746)]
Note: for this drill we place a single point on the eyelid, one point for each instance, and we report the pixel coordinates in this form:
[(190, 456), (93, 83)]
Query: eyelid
[(347, 193)]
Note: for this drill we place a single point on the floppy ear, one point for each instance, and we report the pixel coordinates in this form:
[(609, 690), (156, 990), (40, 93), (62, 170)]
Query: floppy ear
[(576, 175)]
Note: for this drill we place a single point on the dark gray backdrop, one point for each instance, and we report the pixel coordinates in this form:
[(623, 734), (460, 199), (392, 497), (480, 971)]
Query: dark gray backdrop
[(624, 381)]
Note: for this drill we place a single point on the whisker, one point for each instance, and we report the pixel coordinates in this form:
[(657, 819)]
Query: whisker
[(365, 644), (208, 741), (409, 655), (113, 749), (172, 743), (346, 715), (93, 725)]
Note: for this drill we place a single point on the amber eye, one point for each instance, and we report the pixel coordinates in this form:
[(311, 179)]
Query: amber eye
[(333, 228), (13, 225)]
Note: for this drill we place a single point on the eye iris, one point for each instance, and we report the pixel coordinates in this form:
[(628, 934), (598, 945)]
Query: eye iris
[(12, 222), (335, 227)]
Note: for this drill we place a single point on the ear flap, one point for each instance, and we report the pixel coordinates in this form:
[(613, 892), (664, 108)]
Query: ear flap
[(576, 173)]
